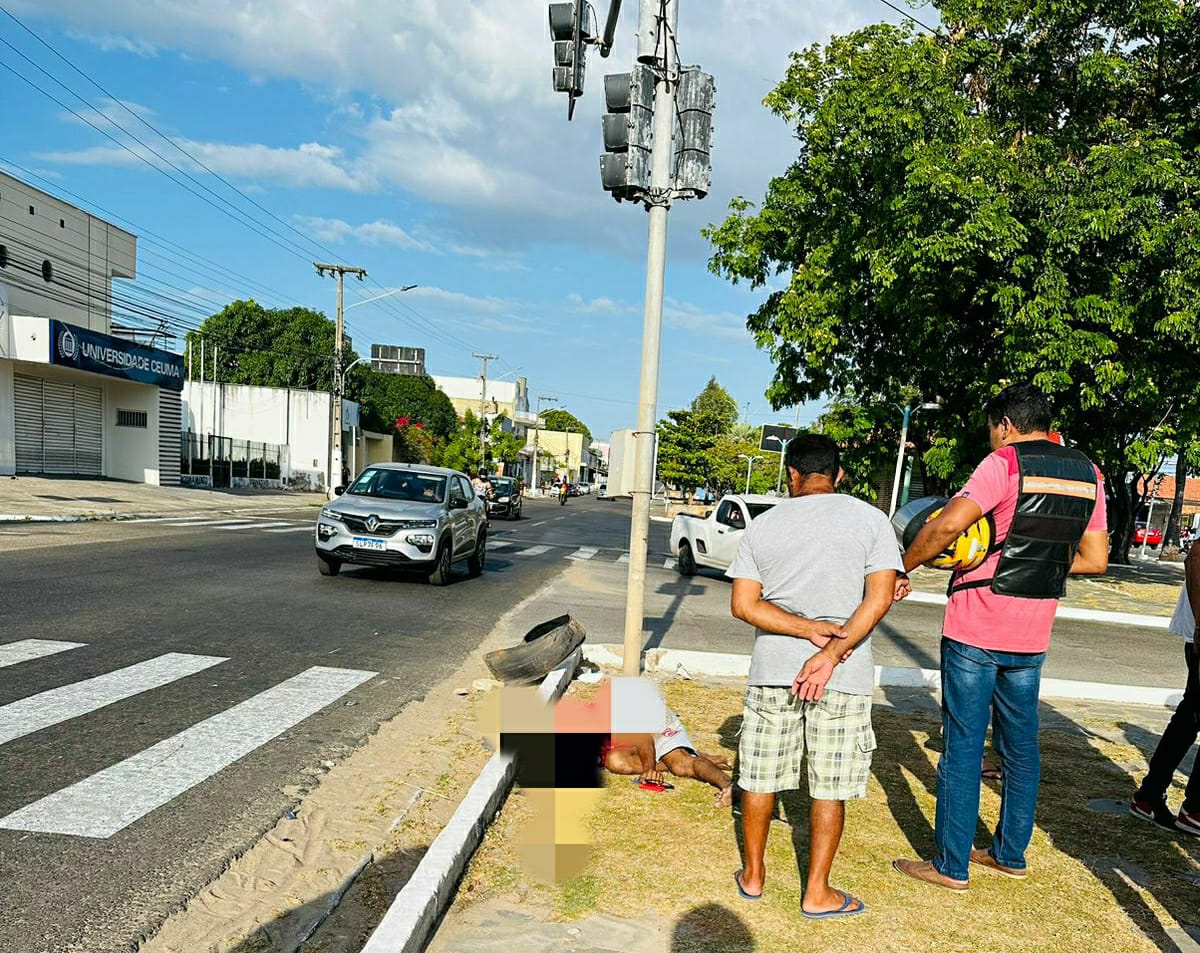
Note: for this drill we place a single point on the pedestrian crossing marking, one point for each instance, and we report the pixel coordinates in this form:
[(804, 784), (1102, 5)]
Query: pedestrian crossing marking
[(27, 715), (110, 800), (535, 551), (12, 653), (669, 564), (209, 522), (259, 526), (291, 529), (583, 552), (623, 558), (499, 544)]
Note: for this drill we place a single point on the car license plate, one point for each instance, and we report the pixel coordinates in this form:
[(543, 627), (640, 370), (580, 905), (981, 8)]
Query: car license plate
[(361, 542)]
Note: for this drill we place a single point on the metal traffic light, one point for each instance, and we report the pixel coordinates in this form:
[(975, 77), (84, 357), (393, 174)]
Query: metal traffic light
[(694, 104), (628, 133), (568, 29)]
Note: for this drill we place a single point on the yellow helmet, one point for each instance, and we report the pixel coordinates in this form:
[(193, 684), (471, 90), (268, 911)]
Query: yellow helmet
[(967, 552)]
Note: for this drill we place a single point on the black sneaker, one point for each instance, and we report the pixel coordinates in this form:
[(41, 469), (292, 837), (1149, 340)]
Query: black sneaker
[(1156, 813)]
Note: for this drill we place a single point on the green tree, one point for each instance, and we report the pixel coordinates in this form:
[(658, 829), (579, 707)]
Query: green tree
[(728, 472), (461, 451), (564, 421), (503, 446), (1016, 199), (716, 406), (287, 347), (386, 397)]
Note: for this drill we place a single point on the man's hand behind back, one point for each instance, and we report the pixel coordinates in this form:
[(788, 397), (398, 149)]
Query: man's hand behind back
[(811, 680)]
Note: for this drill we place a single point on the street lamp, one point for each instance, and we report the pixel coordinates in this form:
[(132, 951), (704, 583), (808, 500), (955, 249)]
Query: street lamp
[(386, 294), (908, 413), (783, 445), (749, 466)]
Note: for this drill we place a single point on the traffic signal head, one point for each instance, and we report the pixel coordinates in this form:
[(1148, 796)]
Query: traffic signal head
[(628, 133), (695, 101), (568, 29)]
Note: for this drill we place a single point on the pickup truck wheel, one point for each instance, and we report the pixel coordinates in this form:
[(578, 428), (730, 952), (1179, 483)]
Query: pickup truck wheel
[(477, 559), (328, 567), (686, 561), (443, 568)]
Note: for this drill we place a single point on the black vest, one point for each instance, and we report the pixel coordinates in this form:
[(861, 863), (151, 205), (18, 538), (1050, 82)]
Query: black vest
[(1057, 495)]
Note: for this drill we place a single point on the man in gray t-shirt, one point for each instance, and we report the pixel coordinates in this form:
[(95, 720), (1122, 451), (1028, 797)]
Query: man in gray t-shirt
[(814, 575)]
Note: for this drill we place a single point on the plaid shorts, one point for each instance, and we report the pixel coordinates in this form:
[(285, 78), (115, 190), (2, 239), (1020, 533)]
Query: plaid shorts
[(778, 730)]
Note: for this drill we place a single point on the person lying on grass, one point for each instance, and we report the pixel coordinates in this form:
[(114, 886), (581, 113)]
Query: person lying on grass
[(671, 750)]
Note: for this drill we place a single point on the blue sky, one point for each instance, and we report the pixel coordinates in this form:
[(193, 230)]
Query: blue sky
[(419, 139)]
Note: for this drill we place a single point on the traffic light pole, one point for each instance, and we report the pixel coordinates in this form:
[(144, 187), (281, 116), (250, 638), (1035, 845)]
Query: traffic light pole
[(659, 201)]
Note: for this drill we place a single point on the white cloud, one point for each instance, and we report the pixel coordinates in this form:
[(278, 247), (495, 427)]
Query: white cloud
[(457, 301), (724, 325), (369, 233), (451, 101), (601, 305), (111, 43)]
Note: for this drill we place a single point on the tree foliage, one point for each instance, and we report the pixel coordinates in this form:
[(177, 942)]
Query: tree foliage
[(268, 347), (1016, 199), (386, 397), (688, 439), (716, 405), (564, 421)]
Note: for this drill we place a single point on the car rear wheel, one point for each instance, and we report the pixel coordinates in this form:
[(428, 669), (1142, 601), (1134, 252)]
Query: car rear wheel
[(477, 559), (686, 562), (443, 568), (328, 567)]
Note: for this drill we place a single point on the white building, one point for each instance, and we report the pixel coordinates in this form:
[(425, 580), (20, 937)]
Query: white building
[(74, 399), (287, 426)]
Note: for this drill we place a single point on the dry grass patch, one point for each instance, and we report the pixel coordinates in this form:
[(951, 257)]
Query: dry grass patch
[(1100, 882)]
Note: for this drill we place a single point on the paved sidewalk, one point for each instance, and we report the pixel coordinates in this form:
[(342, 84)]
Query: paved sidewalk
[(44, 498)]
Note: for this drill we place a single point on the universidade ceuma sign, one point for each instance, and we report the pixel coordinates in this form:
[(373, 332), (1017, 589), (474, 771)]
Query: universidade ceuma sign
[(85, 350)]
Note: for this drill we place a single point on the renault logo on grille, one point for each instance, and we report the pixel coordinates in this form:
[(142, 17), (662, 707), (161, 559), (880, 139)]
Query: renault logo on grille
[(372, 524)]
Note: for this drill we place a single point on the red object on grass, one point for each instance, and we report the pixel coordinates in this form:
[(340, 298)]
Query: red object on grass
[(654, 786)]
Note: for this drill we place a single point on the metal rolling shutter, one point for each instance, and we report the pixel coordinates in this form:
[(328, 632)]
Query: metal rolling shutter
[(170, 427), (89, 431), (58, 428), (28, 394)]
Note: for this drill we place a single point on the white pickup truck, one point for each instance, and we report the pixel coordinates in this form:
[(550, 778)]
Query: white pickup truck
[(713, 540)]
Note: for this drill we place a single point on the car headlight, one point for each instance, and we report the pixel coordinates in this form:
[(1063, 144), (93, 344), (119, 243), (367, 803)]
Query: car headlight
[(326, 531), (503, 499), (423, 541), (333, 515)]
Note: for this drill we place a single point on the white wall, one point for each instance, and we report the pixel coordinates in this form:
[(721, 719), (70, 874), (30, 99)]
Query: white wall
[(131, 453), (298, 419)]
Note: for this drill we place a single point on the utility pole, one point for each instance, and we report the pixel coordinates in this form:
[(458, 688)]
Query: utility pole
[(483, 426), (339, 383), (537, 429), (659, 202)]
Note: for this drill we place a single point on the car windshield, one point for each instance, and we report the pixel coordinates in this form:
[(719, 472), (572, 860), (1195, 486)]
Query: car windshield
[(399, 485), (502, 487), (757, 509)]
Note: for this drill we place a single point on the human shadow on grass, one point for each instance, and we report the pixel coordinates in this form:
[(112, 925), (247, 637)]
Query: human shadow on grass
[(711, 928)]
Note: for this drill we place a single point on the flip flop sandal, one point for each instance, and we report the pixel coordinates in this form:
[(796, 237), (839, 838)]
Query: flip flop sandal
[(737, 879), (657, 787), (843, 911)]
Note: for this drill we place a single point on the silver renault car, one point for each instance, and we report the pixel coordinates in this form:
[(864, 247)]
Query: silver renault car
[(404, 516)]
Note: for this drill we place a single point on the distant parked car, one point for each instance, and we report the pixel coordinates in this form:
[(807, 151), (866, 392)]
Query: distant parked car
[(404, 516), (1151, 536), (585, 488), (713, 541)]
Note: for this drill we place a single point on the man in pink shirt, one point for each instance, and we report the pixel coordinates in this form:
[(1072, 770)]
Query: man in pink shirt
[(1047, 505)]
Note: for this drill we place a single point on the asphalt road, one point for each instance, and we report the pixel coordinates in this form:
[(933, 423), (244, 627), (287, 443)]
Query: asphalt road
[(237, 610)]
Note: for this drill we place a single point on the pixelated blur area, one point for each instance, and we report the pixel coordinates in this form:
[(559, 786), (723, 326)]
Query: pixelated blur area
[(557, 751)]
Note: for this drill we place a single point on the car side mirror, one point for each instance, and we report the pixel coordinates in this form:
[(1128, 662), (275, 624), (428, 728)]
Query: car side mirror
[(459, 503), (339, 490)]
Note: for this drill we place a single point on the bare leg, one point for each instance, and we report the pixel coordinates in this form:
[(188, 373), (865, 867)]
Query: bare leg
[(756, 823), (683, 764), (826, 820), (720, 760)]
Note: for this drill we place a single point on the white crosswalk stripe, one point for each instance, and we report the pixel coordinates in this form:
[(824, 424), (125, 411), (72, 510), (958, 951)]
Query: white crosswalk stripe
[(258, 526), (291, 529), (623, 558), (115, 797), (210, 523), (583, 553), (499, 544), (12, 653), (534, 551), (57, 705)]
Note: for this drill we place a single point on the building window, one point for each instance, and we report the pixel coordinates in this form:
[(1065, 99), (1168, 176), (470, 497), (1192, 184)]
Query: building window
[(47, 271), (31, 210), (131, 418), (3, 256), (62, 223)]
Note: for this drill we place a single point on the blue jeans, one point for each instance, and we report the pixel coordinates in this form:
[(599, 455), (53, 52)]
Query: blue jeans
[(979, 685)]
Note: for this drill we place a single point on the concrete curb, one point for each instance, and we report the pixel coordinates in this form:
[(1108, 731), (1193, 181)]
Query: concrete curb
[(1070, 612), (726, 665), (18, 518), (410, 920)]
